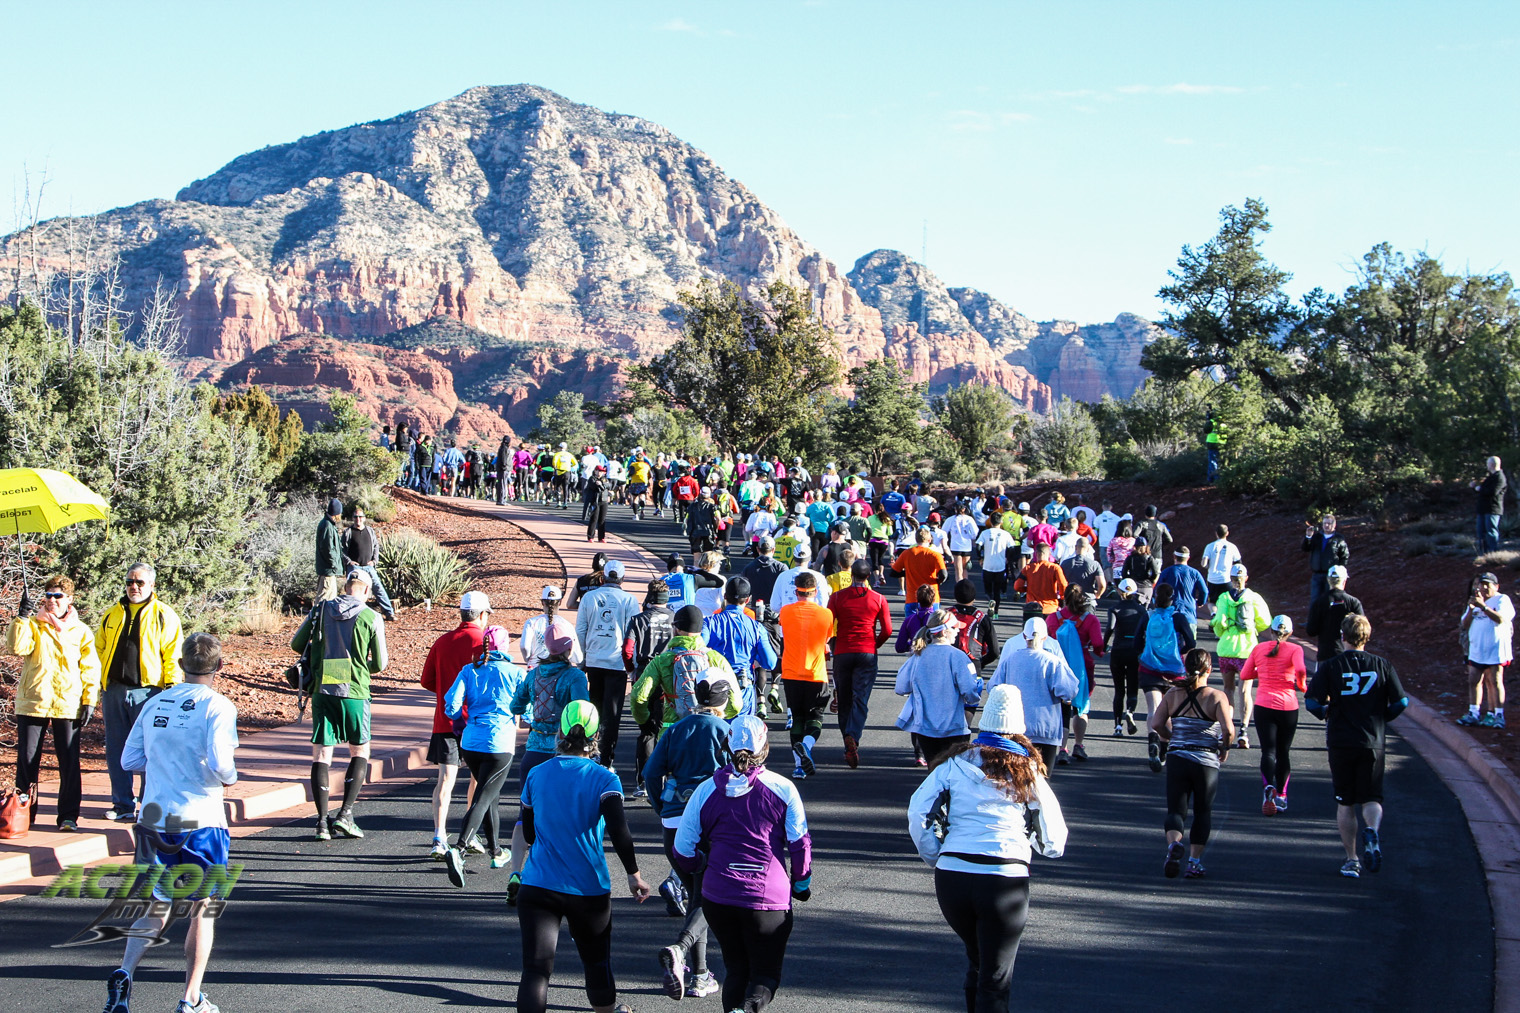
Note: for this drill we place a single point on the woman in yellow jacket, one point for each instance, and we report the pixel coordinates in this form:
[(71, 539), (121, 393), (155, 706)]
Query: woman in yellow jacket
[(60, 680)]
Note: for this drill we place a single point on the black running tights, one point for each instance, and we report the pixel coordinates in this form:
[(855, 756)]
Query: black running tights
[(754, 946), (995, 583), (490, 772), (539, 913), (988, 913), (1275, 729), (1190, 780), (694, 930), (1125, 666)]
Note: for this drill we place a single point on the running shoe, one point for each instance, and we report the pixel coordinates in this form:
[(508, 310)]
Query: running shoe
[(123, 814), (798, 773), (675, 896), (118, 991), (1063, 758), (1488, 720), (1195, 869), (324, 832), (201, 1005), (1244, 742), (1129, 723), (919, 761), (68, 826), (1469, 719), (501, 859), (804, 758), (1281, 802), (702, 985), (1352, 869), (1498, 719), (1269, 800), (639, 791), (1174, 853), (1153, 751), (453, 863), (1372, 850), (851, 752), (1079, 752), (440, 849), (1118, 731), (345, 826), (514, 885), (474, 846), (673, 960)]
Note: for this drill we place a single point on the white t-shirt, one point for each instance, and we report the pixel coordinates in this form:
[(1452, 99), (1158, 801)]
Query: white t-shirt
[(1066, 546), (996, 544), (760, 524), (534, 647), (785, 591), (1488, 642), (938, 541), (183, 741), (1085, 514), (962, 531), (1218, 557), (1106, 524)]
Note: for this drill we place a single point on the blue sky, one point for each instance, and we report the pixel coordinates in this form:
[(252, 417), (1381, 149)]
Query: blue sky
[(1060, 153)]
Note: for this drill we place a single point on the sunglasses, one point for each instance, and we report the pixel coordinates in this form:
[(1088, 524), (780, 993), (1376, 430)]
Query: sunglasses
[(54, 594), (134, 582)]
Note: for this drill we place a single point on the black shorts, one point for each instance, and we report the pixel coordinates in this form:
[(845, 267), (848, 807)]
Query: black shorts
[(1356, 775), (443, 747)]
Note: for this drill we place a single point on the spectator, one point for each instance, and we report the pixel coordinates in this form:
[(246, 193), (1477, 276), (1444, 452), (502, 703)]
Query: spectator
[(138, 645), (449, 655), (361, 551), (1489, 623), (330, 551), (1326, 549), (1329, 612), (1490, 505), (60, 680)]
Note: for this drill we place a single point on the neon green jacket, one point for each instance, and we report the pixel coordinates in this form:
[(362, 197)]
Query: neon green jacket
[(1237, 624)]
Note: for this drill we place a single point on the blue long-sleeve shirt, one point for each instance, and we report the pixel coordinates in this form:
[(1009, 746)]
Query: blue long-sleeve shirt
[(940, 683), (741, 640), (684, 757), (549, 688), (1189, 589), (484, 693)]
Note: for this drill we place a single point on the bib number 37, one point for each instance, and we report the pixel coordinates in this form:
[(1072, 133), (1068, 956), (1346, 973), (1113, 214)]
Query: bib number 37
[(1358, 683)]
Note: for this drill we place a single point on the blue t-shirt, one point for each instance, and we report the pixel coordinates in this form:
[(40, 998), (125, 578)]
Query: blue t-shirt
[(892, 503), (567, 829)]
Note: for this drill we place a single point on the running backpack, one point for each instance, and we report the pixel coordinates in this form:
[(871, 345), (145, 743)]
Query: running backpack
[(1162, 651), (685, 671), (966, 639), (1070, 640)]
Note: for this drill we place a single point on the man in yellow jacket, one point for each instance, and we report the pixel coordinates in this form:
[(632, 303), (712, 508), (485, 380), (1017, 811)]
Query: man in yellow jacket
[(60, 680), (138, 644)]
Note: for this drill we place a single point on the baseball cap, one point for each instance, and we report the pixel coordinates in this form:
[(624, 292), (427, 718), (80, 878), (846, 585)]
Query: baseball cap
[(551, 593), (1239, 570), (613, 568), (559, 637), (1035, 628), (358, 574), (582, 713), (1141, 540), (1024, 505), (802, 552), (722, 687), (1282, 624), (674, 559), (706, 490), (747, 733), (934, 518), (1128, 586), (475, 601), (1338, 571), (1488, 575)]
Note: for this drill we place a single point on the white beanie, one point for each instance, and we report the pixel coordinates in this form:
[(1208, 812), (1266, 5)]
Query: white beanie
[(1004, 713)]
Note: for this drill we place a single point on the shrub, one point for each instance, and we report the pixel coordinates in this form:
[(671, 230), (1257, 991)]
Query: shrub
[(282, 551), (1430, 524), (1420, 545), (1067, 440), (377, 503), (1190, 467), (1494, 560), (1123, 462), (415, 567), (259, 613)]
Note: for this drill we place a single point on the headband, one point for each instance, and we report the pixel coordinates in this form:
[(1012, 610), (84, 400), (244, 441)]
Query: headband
[(998, 742)]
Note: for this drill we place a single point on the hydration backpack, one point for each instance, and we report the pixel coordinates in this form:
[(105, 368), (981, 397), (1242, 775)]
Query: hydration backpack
[(966, 639), (685, 670)]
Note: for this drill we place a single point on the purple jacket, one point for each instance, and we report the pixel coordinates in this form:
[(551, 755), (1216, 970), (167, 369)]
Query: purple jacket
[(746, 823)]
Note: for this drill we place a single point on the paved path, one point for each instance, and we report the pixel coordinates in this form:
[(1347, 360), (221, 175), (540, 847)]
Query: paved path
[(373, 924)]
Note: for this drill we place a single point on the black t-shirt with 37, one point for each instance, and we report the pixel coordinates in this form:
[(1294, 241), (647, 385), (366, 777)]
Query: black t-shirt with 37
[(1359, 688)]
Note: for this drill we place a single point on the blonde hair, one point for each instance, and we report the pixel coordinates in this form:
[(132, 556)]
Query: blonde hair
[(711, 561), (923, 638)]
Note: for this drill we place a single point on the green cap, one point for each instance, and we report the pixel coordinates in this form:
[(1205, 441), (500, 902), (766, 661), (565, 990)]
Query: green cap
[(579, 712)]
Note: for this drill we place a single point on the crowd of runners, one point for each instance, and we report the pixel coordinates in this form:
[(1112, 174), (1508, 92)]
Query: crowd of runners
[(794, 585)]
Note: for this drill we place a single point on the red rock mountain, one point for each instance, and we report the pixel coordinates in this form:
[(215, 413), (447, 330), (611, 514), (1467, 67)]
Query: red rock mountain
[(550, 239)]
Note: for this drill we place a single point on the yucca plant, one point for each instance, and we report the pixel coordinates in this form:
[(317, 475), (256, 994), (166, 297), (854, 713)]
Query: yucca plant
[(416, 568)]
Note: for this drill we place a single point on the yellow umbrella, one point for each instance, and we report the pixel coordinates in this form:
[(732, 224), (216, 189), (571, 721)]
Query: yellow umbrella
[(42, 500)]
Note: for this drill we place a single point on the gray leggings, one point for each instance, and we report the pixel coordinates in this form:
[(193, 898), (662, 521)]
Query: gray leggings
[(694, 930)]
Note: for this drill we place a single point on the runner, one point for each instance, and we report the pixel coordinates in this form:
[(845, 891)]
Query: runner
[(1188, 587), (1142, 568), (533, 642), (549, 689), (994, 545), (601, 626), (920, 566), (708, 579), (1165, 639), (862, 623), (1196, 723), (546, 474), (761, 524), (1056, 510), (648, 634), (671, 676), (1240, 616), (596, 494), (1328, 613), (785, 591), (1077, 632), (1118, 550), (684, 584), (742, 641), (480, 700), (960, 529), (564, 472), (1219, 559), (1278, 668), (1043, 583), (976, 820), (1488, 622), (806, 627), (449, 655), (746, 827), (1357, 694), (686, 756), (184, 745), (640, 475), (566, 876), (942, 687), (978, 636), (762, 573), (1126, 620)]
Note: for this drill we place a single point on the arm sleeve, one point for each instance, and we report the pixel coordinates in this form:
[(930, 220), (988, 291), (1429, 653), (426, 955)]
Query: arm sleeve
[(617, 831), (904, 684), (1185, 634), (641, 691), (765, 651), (884, 623), (1064, 687), (655, 768), (20, 639), (453, 700), (799, 841), (429, 678), (704, 579), (520, 696), (1317, 610), (1248, 670), (990, 639), (89, 668), (303, 632), (380, 658), (174, 639), (525, 817), (1095, 634), (965, 682), (223, 743), (1050, 831)]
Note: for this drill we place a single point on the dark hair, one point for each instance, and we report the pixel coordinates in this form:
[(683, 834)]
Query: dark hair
[(926, 595), (1013, 774), (745, 761), (806, 581), (1076, 599), (1126, 530), (1198, 662), (861, 570), (575, 742), (1162, 595), (1222, 531)]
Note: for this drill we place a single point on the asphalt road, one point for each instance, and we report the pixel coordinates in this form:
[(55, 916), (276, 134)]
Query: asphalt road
[(375, 925)]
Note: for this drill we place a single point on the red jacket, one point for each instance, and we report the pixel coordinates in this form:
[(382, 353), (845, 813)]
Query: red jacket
[(448, 655), (863, 618), (687, 488)]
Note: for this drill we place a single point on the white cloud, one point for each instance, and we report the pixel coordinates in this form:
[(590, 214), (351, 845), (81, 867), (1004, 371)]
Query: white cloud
[(679, 25), (1180, 88)]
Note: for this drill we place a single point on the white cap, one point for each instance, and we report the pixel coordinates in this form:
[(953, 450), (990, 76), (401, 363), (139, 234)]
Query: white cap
[(1004, 714), (551, 593), (706, 491), (1282, 624), (613, 568), (1239, 570), (474, 601), (1337, 571), (718, 675), (1128, 586), (1035, 628), (1024, 506), (802, 552), (747, 732)]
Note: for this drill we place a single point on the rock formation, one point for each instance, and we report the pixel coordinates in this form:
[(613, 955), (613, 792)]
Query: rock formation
[(514, 214)]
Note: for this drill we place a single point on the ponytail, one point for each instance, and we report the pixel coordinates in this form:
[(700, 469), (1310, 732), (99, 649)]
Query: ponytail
[(746, 760)]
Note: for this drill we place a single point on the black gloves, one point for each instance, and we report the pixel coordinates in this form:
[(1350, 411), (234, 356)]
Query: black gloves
[(26, 609), (803, 888)]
